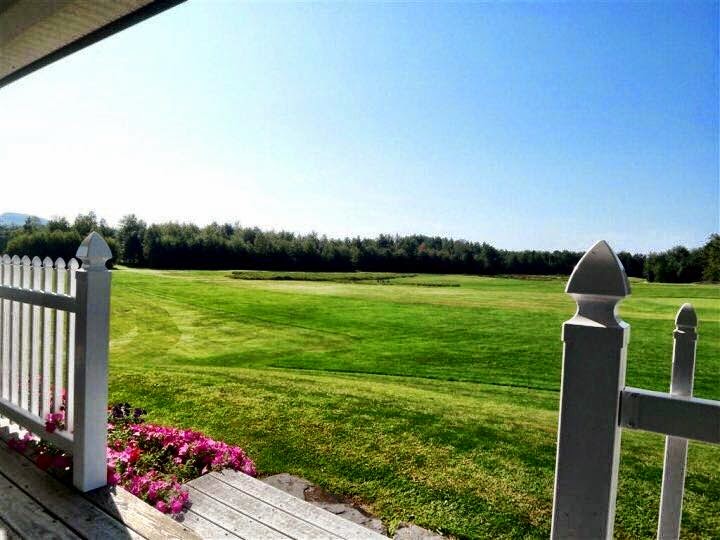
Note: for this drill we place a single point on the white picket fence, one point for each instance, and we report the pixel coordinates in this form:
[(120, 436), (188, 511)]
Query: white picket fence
[(595, 405), (54, 352)]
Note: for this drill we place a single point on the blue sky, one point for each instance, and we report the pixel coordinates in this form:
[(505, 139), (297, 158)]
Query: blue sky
[(528, 125)]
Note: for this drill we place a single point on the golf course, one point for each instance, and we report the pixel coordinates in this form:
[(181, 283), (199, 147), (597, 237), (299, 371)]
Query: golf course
[(426, 398)]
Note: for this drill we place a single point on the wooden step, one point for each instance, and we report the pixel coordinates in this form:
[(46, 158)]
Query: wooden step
[(288, 516), (235, 522)]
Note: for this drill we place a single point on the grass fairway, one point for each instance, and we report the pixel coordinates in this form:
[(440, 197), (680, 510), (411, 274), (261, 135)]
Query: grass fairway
[(432, 399)]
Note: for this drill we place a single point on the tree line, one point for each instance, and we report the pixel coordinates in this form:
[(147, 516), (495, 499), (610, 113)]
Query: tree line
[(225, 246)]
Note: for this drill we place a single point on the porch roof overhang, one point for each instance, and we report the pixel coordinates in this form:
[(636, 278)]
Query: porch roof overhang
[(35, 33)]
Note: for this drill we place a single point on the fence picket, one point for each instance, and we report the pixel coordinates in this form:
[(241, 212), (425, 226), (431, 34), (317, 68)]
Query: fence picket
[(73, 265), (681, 385), (47, 339), (15, 337), (59, 379), (37, 342), (25, 339), (5, 363)]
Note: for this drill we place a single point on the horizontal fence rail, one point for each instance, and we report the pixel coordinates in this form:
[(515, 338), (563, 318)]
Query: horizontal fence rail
[(53, 353), (41, 299), (688, 418), (595, 405)]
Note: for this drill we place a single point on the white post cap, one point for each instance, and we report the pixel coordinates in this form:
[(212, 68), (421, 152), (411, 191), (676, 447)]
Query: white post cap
[(597, 284), (686, 317), (599, 272), (94, 252)]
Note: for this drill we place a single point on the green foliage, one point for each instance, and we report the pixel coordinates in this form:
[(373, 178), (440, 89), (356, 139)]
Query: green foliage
[(6, 232), (32, 224), (677, 265), (130, 235), (175, 245), (84, 224), (44, 243), (225, 246), (55, 239), (711, 272), (58, 224), (436, 405)]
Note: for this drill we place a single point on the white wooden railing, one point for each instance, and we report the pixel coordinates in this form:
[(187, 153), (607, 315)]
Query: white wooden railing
[(595, 405), (54, 352)]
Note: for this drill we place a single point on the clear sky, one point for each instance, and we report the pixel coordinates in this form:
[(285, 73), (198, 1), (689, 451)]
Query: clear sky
[(528, 125)]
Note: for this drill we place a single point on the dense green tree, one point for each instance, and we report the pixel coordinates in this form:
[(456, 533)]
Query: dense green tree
[(130, 236), (711, 259), (58, 224), (634, 263), (32, 224), (6, 232), (45, 243), (84, 224), (676, 265)]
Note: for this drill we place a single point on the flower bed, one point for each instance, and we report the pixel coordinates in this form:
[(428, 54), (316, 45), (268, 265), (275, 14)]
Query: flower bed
[(150, 461)]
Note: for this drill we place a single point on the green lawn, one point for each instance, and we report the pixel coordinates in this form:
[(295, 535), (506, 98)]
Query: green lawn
[(430, 399)]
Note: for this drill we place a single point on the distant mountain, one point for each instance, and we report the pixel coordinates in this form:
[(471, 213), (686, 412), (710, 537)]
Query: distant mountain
[(13, 219)]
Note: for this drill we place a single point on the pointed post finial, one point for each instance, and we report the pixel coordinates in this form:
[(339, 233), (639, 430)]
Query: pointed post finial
[(599, 272), (686, 318), (94, 252), (597, 284)]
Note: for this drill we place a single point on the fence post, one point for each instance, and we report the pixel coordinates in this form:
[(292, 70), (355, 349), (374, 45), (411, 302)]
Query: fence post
[(681, 384), (593, 374), (91, 364)]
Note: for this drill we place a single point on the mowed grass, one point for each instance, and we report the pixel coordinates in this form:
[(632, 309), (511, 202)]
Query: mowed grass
[(430, 399)]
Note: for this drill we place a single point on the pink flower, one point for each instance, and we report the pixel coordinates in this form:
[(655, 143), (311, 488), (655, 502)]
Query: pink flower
[(155, 488), (54, 421), (113, 478), (248, 467), (145, 458), (176, 505)]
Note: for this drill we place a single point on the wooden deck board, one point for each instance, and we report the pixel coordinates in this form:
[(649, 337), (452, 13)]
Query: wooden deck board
[(204, 527), (334, 526), (286, 523), (69, 506), (6, 533), (138, 515), (238, 523), (26, 517)]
